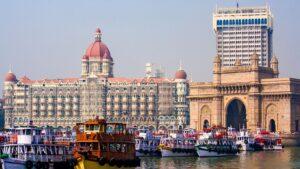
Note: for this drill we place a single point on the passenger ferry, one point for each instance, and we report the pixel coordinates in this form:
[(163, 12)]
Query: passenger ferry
[(99, 143), (215, 142), (26, 148), (176, 145), (268, 140), (146, 144)]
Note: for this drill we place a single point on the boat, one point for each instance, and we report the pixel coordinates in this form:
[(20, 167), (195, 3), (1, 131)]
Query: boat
[(214, 142), (146, 144), (99, 143), (244, 139), (176, 145), (26, 148), (268, 140)]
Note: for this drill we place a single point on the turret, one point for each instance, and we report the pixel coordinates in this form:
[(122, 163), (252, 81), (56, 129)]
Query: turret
[(181, 93), (254, 61), (217, 70), (8, 95), (84, 66), (255, 66), (274, 66)]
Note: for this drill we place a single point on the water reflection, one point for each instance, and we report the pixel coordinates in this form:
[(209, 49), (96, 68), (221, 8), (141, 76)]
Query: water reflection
[(288, 158)]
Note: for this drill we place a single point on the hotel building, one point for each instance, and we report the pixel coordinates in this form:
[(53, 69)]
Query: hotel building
[(153, 101), (242, 31)]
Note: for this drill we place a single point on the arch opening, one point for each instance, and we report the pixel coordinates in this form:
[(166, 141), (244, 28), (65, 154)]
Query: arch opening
[(236, 115), (272, 125), (205, 124)]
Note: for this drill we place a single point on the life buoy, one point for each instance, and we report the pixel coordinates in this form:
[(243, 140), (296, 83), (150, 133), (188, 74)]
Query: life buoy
[(28, 164), (102, 161)]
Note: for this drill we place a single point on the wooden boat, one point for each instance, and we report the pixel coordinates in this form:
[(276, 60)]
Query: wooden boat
[(102, 143)]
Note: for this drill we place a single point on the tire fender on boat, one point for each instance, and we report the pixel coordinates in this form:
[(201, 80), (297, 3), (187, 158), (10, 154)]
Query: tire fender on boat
[(112, 162), (29, 164), (102, 161), (39, 164)]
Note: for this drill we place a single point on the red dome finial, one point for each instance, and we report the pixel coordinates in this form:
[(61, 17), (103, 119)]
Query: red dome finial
[(98, 30), (98, 34)]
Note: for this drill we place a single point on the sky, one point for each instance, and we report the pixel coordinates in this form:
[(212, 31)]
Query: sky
[(47, 38)]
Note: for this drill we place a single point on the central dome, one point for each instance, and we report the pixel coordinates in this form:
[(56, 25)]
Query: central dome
[(97, 49)]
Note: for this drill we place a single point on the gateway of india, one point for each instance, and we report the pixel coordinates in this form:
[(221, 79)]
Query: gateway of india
[(154, 101), (246, 91)]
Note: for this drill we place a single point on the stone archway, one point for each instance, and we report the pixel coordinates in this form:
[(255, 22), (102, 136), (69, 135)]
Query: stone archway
[(204, 117), (271, 118), (236, 114), (205, 124), (272, 125)]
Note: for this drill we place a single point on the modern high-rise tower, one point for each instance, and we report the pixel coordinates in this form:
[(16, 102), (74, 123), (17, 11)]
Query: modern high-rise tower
[(241, 31)]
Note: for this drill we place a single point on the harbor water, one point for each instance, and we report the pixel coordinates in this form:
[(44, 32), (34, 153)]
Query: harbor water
[(286, 159)]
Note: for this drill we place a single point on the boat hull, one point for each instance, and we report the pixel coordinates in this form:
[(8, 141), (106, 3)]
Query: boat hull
[(170, 153), (204, 152), (270, 148), (148, 154)]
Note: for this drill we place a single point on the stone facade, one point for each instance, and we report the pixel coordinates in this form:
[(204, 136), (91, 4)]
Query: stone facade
[(248, 96), (154, 102)]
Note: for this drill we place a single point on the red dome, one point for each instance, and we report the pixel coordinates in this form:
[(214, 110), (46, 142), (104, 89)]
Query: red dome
[(97, 49), (180, 74), (10, 77)]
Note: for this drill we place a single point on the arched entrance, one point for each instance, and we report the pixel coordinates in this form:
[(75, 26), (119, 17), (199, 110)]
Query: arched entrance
[(205, 124), (272, 125), (236, 115)]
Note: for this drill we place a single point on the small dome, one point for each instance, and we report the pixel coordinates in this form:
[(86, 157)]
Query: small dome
[(24, 79), (274, 59), (180, 74), (97, 49), (10, 77)]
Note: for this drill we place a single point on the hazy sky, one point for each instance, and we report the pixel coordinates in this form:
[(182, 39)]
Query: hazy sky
[(47, 38)]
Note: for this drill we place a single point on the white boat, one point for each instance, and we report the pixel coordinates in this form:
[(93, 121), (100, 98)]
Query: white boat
[(245, 141), (26, 148), (177, 147), (215, 143), (146, 144)]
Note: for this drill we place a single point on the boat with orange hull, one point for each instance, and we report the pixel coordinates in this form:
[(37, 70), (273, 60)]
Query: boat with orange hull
[(104, 144)]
